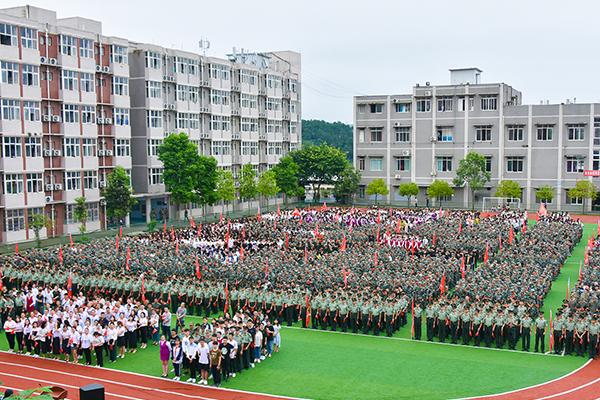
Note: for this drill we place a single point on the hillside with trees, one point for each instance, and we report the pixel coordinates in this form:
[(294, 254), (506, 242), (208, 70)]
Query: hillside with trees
[(337, 134)]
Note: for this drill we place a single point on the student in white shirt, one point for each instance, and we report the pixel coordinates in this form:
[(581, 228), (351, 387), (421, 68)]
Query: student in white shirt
[(193, 359), (203, 361), (9, 329), (86, 343), (98, 346)]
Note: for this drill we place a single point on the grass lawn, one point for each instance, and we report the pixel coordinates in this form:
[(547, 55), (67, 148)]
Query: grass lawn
[(323, 365)]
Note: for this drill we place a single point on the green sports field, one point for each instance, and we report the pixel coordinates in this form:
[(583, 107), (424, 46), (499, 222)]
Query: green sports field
[(326, 365)]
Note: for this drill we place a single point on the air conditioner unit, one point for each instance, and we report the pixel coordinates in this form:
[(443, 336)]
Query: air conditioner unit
[(108, 121), (99, 120), (395, 101), (109, 153), (101, 153), (58, 186), (48, 199), (49, 187), (98, 68), (406, 152), (53, 61), (105, 69), (102, 184), (171, 106), (43, 60), (397, 176), (46, 118), (396, 124), (56, 153), (428, 93), (47, 153), (55, 118)]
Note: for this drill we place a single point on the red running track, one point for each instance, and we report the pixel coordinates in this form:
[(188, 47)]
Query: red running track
[(581, 384), (23, 372)]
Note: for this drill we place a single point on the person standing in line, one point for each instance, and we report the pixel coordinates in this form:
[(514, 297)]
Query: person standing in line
[(165, 355), (166, 322), (98, 346), (111, 339), (258, 340), (177, 358), (180, 315), (203, 361), (192, 355), (9, 329), (540, 332), (277, 340), (19, 325), (525, 332), (215, 363), (86, 343), (593, 330), (121, 338), (417, 321)]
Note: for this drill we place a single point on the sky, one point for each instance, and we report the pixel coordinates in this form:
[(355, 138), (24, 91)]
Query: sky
[(547, 49)]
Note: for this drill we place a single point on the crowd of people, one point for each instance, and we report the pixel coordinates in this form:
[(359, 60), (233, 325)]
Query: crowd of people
[(359, 270)]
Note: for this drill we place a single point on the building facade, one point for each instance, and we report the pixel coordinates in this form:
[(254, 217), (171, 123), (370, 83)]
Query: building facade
[(75, 103), (422, 136)]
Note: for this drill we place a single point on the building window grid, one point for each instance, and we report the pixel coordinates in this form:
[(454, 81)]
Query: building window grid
[(515, 133), (376, 134), (88, 114), (71, 147), (544, 133), (12, 147), (120, 85), (402, 107), (444, 163), (489, 103), (402, 163), (444, 104), (86, 48), (90, 180), (575, 132), (376, 164), (153, 89), (14, 219), (575, 164), (483, 133), (9, 72), (35, 182), (13, 183), (153, 60), (70, 113), (423, 105), (31, 75), (154, 118), (402, 134), (69, 79), (514, 164), (376, 108), (88, 146), (33, 147), (445, 134), (68, 45), (11, 110), (118, 54), (121, 116), (31, 110), (249, 125)]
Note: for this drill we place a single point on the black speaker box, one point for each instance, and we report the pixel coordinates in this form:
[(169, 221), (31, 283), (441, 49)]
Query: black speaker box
[(92, 391)]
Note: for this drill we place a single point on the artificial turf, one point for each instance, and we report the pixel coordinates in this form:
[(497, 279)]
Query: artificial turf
[(325, 365)]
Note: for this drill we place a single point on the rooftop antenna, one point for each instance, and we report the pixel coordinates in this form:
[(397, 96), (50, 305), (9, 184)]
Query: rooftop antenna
[(204, 45)]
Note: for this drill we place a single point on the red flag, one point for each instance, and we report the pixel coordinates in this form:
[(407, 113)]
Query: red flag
[(274, 223), (324, 207), (377, 236), (117, 244), (586, 258), (165, 227), (60, 255), (198, 272), (172, 233), (287, 240), (241, 252), (486, 255), (398, 226), (220, 217), (199, 230), (128, 258), (176, 247), (258, 216), (226, 310), (71, 240), (278, 210), (69, 286), (227, 239), (434, 239), (296, 213), (345, 274), (580, 272), (307, 311), (568, 296), (143, 290), (378, 217), (551, 341), (462, 267), (16, 248), (524, 227), (192, 223), (375, 258), (120, 231), (443, 284), (300, 220), (343, 245), (511, 235), (460, 227), (412, 313)]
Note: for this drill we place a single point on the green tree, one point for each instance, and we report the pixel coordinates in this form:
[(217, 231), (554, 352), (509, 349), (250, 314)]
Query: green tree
[(508, 188), (247, 182), (267, 185), (118, 194), (377, 187), (225, 186), (545, 194), (180, 160), (408, 189), (583, 190), (346, 184), (205, 184), (472, 172), (38, 221), (319, 165), (80, 212), (286, 175), (335, 134), (439, 189)]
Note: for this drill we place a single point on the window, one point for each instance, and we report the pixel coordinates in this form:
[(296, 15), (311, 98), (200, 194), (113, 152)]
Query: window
[(423, 105), (12, 147), (186, 66), (118, 54), (514, 164), (120, 86), (29, 38), (33, 147), (576, 201), (182, 92), (376, 164), (88, 114), (293, 127), (152, 147), (93, 211), (376, 134), (544, 132), (489, 103), (153, 60), (402, 134), (10, 72), (515, 133), (31, 110), (273, 104), (31, 75), (218, 71), (154, 119), (220, 123), (575, 163), (576, 131), (361, 163), (86, 48), (70, 113), (153, 90), (220, 148), (11, 110), (402, 107), (483, 133), (68, 45), (8, 35), (73, 180), (219, 97), (273, 81), (187, 120), (248, 77), (34, 183), (361, 108), (87, 82), (403, 163), (292, 83), (444, 163), (90, 180), (273, 126), (596, 160), (121, 116), (488, 163), (444, 104), (249, 125), (376, 108), (13, 183), (596, 131), (466, 103), (445, 134), (274, 148), (68, 80), (15, 219), (250, 148), (88, 147), (361, 135), (248, 101), (71, 147), (155, 176)]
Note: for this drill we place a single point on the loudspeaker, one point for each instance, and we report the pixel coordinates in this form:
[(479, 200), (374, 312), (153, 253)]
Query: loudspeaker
[(92, 391)]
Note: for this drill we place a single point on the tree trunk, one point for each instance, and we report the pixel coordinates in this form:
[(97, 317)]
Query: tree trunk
[(408, 201)]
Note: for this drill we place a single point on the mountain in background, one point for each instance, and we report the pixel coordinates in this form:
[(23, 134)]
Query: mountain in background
[(338, 134)]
